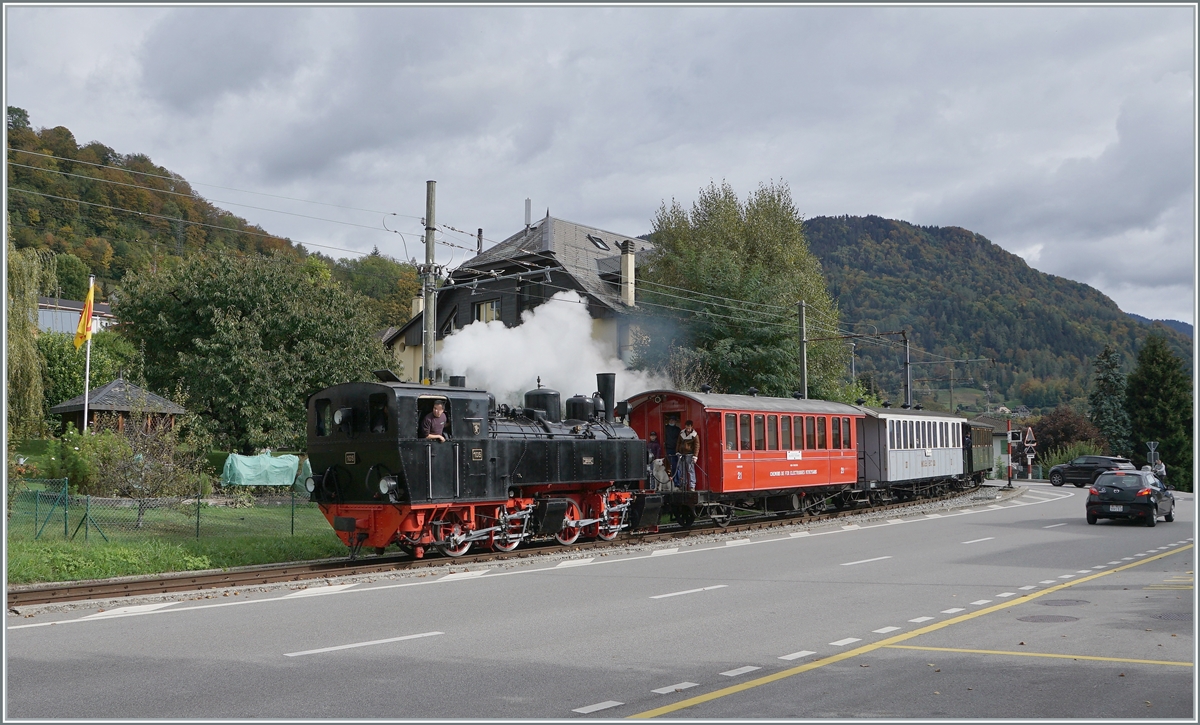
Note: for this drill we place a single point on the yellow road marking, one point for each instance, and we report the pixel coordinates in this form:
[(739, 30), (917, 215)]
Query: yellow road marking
[(1041, 654), (784, 674), (1161, 587)]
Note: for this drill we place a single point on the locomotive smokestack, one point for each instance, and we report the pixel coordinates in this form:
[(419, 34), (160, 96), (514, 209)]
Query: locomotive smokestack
[(606, 385)]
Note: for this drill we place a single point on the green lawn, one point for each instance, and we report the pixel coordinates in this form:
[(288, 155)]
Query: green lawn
[(113, 544)]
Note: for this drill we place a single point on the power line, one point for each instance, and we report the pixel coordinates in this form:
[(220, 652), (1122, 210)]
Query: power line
[(186, 221), (199, 198), (199, 183)]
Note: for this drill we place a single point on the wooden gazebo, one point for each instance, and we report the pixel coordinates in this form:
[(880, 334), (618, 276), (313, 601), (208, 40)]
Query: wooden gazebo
[(120, 397)]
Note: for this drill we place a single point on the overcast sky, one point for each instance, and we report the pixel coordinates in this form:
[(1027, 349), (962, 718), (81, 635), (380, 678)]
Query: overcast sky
[(1065, 135)]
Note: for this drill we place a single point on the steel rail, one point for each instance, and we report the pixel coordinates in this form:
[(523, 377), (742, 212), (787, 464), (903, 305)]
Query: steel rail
[(37, 594)]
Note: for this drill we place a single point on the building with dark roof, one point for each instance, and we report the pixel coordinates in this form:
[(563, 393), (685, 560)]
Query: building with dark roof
[(523, 272), (59, 315), (120, 397)]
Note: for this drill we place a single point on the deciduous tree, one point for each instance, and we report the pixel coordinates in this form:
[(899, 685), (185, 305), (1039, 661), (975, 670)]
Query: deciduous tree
[(248, 341), (726, 279)]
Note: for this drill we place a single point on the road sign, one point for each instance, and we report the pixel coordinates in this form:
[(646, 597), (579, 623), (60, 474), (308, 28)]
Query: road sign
[(1152, 445), (1029, 439), (1030, 451), (1014, 436)]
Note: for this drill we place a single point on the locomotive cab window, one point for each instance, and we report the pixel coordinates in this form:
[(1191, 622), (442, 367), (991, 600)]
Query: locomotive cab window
[(731, 431), (378, 407), (425, 408), (324, 417)]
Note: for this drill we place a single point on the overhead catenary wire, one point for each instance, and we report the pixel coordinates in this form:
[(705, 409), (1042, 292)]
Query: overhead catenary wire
[(198, 198), (200, 183)]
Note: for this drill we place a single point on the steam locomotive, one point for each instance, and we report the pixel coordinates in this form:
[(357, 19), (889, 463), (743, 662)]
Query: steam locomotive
[(502, 476), (506, 475)]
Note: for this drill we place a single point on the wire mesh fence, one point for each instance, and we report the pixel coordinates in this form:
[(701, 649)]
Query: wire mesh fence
[(45, 508)]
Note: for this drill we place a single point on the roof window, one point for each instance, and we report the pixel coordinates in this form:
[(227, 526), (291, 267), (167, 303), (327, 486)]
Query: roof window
[(600, 243)]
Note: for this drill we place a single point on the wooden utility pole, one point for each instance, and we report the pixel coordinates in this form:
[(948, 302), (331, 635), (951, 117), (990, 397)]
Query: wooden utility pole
[(429, 277)]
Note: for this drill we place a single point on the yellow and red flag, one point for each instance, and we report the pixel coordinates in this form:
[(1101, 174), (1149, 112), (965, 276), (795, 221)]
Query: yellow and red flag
[(84, 332)]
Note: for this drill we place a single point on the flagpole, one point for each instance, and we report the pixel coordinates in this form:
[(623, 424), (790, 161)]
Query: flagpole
[(87, 366)]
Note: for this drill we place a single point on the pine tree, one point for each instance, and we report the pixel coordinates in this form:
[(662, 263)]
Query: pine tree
[(1158, 397), (1106, 402)]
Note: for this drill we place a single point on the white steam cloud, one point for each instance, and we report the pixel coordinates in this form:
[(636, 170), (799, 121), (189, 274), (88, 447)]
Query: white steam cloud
[(553, 341)]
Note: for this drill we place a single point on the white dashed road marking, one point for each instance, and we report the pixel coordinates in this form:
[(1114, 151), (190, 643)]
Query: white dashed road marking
[(664, 552), (976, 541), (737, 542), (851, 527), (1025, 589), (846, 641), (1003, 595), (884, 630), (1051, 526), (797, 655), (981, 602), (933, 516), (317, 591), (361, 644), (865, 561), (463, 575), (136, 609), (597, 707), (740, 671), (796, 534), (918, 620), (689, 591), (574, 562), (1067, 576), (1047, 581), (673, 688), (953, 610)]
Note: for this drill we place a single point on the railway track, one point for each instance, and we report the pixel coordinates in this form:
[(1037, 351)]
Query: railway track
[(38, 594)]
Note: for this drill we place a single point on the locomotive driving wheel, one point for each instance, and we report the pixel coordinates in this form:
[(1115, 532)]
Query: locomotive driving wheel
[(569, 534), (608, 529), (510, 538), (445, 531)]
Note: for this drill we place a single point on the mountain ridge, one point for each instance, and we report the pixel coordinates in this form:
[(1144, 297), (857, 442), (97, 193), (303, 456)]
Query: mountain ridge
[(960, 295)]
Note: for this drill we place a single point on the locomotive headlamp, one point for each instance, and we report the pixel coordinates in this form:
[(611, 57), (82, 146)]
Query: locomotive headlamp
[(310, 484), (343, 416), (386, 484)]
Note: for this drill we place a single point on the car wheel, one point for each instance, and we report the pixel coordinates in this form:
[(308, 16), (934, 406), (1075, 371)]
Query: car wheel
[(1056, 479), (1079, 485), (1169, 517), (1091, 518), (1152, 519)]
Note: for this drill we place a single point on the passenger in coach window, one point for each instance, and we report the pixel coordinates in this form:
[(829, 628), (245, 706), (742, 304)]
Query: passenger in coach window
[(688, 446)]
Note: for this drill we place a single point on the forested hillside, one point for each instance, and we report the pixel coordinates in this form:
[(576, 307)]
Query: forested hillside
[(106, 213), (960, 295)]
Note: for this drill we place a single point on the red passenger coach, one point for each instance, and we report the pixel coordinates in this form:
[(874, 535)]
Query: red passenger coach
[(766, 454)]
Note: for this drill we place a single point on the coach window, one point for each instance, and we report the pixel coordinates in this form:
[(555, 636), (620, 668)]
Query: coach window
[(798, 431), (891, 434), (377, 404), (785, 432), (745, 426), (324, 417), (836, 443), (760, 439), (821, 441), (731, 431), (846, 433), (810, 433), (907, 425), (772, 432)]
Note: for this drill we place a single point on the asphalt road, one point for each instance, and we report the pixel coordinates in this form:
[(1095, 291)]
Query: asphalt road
[(1016, 609)]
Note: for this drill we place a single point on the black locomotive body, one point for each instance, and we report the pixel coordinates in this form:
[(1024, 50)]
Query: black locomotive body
[(503, 475)]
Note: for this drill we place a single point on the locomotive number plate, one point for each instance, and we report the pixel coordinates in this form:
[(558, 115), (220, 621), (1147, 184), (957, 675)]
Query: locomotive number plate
[(476, 454), (588, 460), (351, 458)]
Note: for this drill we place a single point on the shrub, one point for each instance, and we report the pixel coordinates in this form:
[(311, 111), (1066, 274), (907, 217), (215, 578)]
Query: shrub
[(1067, 453)]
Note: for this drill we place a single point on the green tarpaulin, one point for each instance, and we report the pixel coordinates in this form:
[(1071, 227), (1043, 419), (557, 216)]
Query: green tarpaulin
[(260, 470)]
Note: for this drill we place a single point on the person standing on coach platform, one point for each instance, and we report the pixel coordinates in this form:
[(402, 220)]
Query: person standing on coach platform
[(670, 436), (688, 446)]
